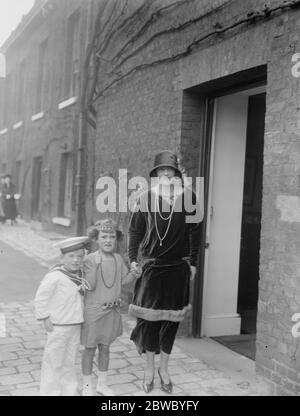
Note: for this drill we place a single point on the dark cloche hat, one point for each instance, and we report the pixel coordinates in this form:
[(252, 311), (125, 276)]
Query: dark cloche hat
[(165, 158)]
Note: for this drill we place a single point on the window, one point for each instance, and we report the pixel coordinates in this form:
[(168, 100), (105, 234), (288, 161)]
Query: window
[(18, 176), (3, 152), (36, 186), (7, 100), (21, 90), (2, 98), (72, 56), (65, 185), (41, 76)]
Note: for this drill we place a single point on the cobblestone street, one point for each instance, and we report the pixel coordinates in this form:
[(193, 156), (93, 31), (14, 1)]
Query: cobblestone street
[(22, 346)]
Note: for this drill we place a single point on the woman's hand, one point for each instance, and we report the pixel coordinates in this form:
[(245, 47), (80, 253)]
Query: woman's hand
[(48, 325), (136, 269), (193, 272)]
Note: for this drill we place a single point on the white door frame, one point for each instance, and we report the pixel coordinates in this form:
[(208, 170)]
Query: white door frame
[(247, 93)]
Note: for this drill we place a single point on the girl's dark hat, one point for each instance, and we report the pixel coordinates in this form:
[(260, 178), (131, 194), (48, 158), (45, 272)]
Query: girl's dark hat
[(165, 158)]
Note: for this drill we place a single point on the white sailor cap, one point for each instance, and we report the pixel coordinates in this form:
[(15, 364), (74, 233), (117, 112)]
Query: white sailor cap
[(71, 244)]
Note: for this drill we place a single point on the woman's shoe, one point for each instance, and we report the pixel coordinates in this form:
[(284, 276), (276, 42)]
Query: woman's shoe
[(148, 386), (166, 387)]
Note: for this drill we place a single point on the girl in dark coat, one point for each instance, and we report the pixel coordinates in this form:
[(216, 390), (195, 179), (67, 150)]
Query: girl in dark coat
[(8, 198)]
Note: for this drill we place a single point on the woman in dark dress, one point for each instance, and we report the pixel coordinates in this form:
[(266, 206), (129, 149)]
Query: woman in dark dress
[(169, 247), (8, 198)]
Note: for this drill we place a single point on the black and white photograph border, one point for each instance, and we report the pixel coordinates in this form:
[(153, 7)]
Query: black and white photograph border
[(166, 89)]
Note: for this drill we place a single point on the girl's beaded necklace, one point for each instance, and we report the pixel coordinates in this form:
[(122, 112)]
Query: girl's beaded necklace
[(115, 274)]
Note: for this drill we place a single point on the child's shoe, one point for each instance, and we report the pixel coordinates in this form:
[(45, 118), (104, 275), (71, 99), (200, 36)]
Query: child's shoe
[(104, 390), (87, 390), (102, 387)]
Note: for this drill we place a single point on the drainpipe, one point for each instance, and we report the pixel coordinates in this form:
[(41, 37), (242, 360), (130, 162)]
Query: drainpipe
[(80, 176), (80, 180)]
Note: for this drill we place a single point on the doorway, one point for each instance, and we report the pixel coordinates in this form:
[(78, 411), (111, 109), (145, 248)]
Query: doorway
[(234, 218), (251, 215)]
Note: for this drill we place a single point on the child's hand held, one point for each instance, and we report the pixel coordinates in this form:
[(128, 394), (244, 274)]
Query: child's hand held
[(48, 325), (136, 270)]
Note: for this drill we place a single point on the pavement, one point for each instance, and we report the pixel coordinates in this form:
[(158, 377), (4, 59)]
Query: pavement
[(198, 367), (20, 275)]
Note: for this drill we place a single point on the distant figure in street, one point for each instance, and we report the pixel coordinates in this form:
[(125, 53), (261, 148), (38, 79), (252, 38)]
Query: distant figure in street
[(8, 200), (59, 304), (105, 272), (2, 215)]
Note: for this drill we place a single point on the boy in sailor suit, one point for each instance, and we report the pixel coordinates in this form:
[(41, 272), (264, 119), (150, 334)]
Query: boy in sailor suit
[(59, 304)]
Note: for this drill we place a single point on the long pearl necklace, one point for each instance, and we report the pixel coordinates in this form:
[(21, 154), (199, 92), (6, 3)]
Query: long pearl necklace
[(169, 218), (115, 275)]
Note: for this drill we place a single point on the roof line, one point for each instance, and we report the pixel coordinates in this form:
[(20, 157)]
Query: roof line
[(33, 13)]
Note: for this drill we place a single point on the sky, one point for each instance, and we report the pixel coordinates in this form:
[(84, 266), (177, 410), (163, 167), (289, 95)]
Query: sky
[(11, 12)]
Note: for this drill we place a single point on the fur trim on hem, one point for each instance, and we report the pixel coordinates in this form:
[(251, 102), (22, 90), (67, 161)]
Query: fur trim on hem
[(158, 314)]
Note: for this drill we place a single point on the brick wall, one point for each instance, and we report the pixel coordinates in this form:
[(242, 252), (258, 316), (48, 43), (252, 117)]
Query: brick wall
[(277, 350), (150, 109)]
